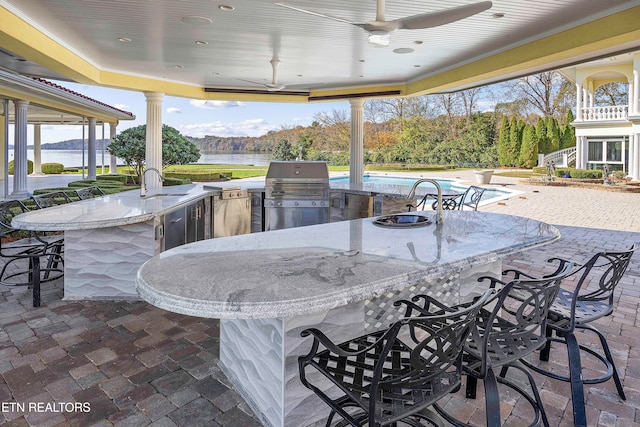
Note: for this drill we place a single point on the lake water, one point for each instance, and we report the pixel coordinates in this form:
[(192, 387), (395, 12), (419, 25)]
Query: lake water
[(73, 158)]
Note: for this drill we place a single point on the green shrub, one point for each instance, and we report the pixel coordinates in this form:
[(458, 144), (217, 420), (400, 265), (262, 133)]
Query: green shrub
[(198, 175), (580, 173), (52, 168), (175, 181), (29, 167), (123, 179), (100, 183), (619, 174)]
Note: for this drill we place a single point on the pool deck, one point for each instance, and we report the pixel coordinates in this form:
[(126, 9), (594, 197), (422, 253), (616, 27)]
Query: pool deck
[(139, 365)]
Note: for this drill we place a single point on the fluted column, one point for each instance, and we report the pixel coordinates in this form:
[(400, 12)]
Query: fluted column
[(37, 152), (153, 153), (356, 158), (20, 189), (635, 172), (4, 144), (635, 91), (91, 149), (113, 160), (578, 102)]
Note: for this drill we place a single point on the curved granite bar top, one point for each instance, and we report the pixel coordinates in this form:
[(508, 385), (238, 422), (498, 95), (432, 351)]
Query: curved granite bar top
[(304, 270), (111, 210)]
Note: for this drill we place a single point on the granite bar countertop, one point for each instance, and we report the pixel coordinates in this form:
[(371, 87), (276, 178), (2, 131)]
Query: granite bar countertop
[(112, 210), (304, 270)]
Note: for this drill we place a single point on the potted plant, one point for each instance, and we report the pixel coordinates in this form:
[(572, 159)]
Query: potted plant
[(483, 176)]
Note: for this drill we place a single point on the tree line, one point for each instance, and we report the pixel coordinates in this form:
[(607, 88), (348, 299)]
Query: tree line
[(505, 124)]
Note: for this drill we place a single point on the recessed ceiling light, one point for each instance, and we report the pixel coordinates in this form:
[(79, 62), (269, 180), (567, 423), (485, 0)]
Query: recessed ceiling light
[(196, 20), (497, 15), (417, 66), (360, 60), (226, 7), (418, 42), (360, 75), (217, 73), (178, 66), (299, 75), (201, 42), (124, 39), (21, 60), (402, 50)]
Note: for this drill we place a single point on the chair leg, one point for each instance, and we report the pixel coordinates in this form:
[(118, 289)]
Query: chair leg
[(492, 399), (34, 278), (546, 350), (472, 384), (577, 387), (608, 355)]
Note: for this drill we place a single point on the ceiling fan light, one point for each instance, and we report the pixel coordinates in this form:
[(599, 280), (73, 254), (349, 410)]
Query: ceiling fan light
[(380, 38)]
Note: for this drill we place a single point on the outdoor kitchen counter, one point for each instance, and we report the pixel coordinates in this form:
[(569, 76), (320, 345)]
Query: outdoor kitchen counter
[(309, 269), (111, 210), (341, 278)]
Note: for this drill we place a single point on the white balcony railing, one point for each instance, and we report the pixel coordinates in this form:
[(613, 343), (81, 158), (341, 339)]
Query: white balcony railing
[(614, 112)]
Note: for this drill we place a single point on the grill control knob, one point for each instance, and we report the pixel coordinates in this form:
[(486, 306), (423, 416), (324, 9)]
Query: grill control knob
[(297, 204), (313, 203)]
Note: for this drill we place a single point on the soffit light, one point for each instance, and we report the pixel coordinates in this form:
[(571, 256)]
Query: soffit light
[(196, 20)]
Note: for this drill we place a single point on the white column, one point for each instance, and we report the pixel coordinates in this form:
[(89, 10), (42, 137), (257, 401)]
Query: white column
[(578, 102), (579, 152), (113, 160), (37, 152), (356, 157), (590, 99), (4, 144), (91, 149), (635, 173), (631, 149), (20, 190), (153, 153), (585, 96), (635, 102)]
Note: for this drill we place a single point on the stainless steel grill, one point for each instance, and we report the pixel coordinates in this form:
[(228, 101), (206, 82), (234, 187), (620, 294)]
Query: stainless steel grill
[(296, 194)]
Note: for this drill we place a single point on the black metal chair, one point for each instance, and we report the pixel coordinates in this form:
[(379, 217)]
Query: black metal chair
[(513, 328), (51, 199), (469, 199), (21, 252), (392, 375), (89, 192), (592, 298)]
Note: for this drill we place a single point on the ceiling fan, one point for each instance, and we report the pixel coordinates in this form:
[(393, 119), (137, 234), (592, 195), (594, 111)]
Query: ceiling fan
[(274, 86), (380, 30)]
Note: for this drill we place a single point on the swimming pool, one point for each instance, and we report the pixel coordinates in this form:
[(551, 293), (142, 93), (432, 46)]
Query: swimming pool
[(491, 195)]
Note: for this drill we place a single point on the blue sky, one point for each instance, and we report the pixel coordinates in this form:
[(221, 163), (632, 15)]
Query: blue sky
[(195, 117)]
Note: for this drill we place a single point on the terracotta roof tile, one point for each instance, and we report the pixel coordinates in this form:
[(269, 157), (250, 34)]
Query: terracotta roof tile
[(47, 82)]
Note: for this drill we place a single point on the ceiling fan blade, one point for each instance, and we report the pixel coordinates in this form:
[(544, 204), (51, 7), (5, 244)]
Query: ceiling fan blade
[(435, 19), (251, 81), (310, 12)]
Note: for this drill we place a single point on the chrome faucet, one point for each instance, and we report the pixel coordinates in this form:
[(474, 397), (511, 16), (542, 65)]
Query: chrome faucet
[(439, 211), (143, 184)]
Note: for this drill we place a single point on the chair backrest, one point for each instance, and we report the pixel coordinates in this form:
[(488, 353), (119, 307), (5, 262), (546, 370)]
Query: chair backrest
[(51, 199), (438, 338), (471, 198), (597, 280), (520, 310), (89, 192), (8, 210)]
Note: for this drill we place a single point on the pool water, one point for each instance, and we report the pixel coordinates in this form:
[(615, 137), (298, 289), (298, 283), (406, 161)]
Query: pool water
[(490, 195)]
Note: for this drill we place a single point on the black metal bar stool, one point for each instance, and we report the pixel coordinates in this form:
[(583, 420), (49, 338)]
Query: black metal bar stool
[(392, 375), (592, 298), (505, 333)]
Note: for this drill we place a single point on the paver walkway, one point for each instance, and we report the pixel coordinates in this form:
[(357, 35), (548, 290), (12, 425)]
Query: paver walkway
[(138, 365)]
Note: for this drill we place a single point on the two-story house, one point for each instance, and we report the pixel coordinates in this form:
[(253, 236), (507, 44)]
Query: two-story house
[(607, 134)]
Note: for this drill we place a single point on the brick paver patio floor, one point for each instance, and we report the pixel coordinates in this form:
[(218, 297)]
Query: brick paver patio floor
[(138, 365)]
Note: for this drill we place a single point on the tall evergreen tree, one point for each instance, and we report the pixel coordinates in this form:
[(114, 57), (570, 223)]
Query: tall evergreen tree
[(544, 144), (568, 132), (515, 140), (553, 133), (503, 142), (529, 149)]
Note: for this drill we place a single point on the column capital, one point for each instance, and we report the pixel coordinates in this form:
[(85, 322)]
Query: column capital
[(356, 102), (154, 96)]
